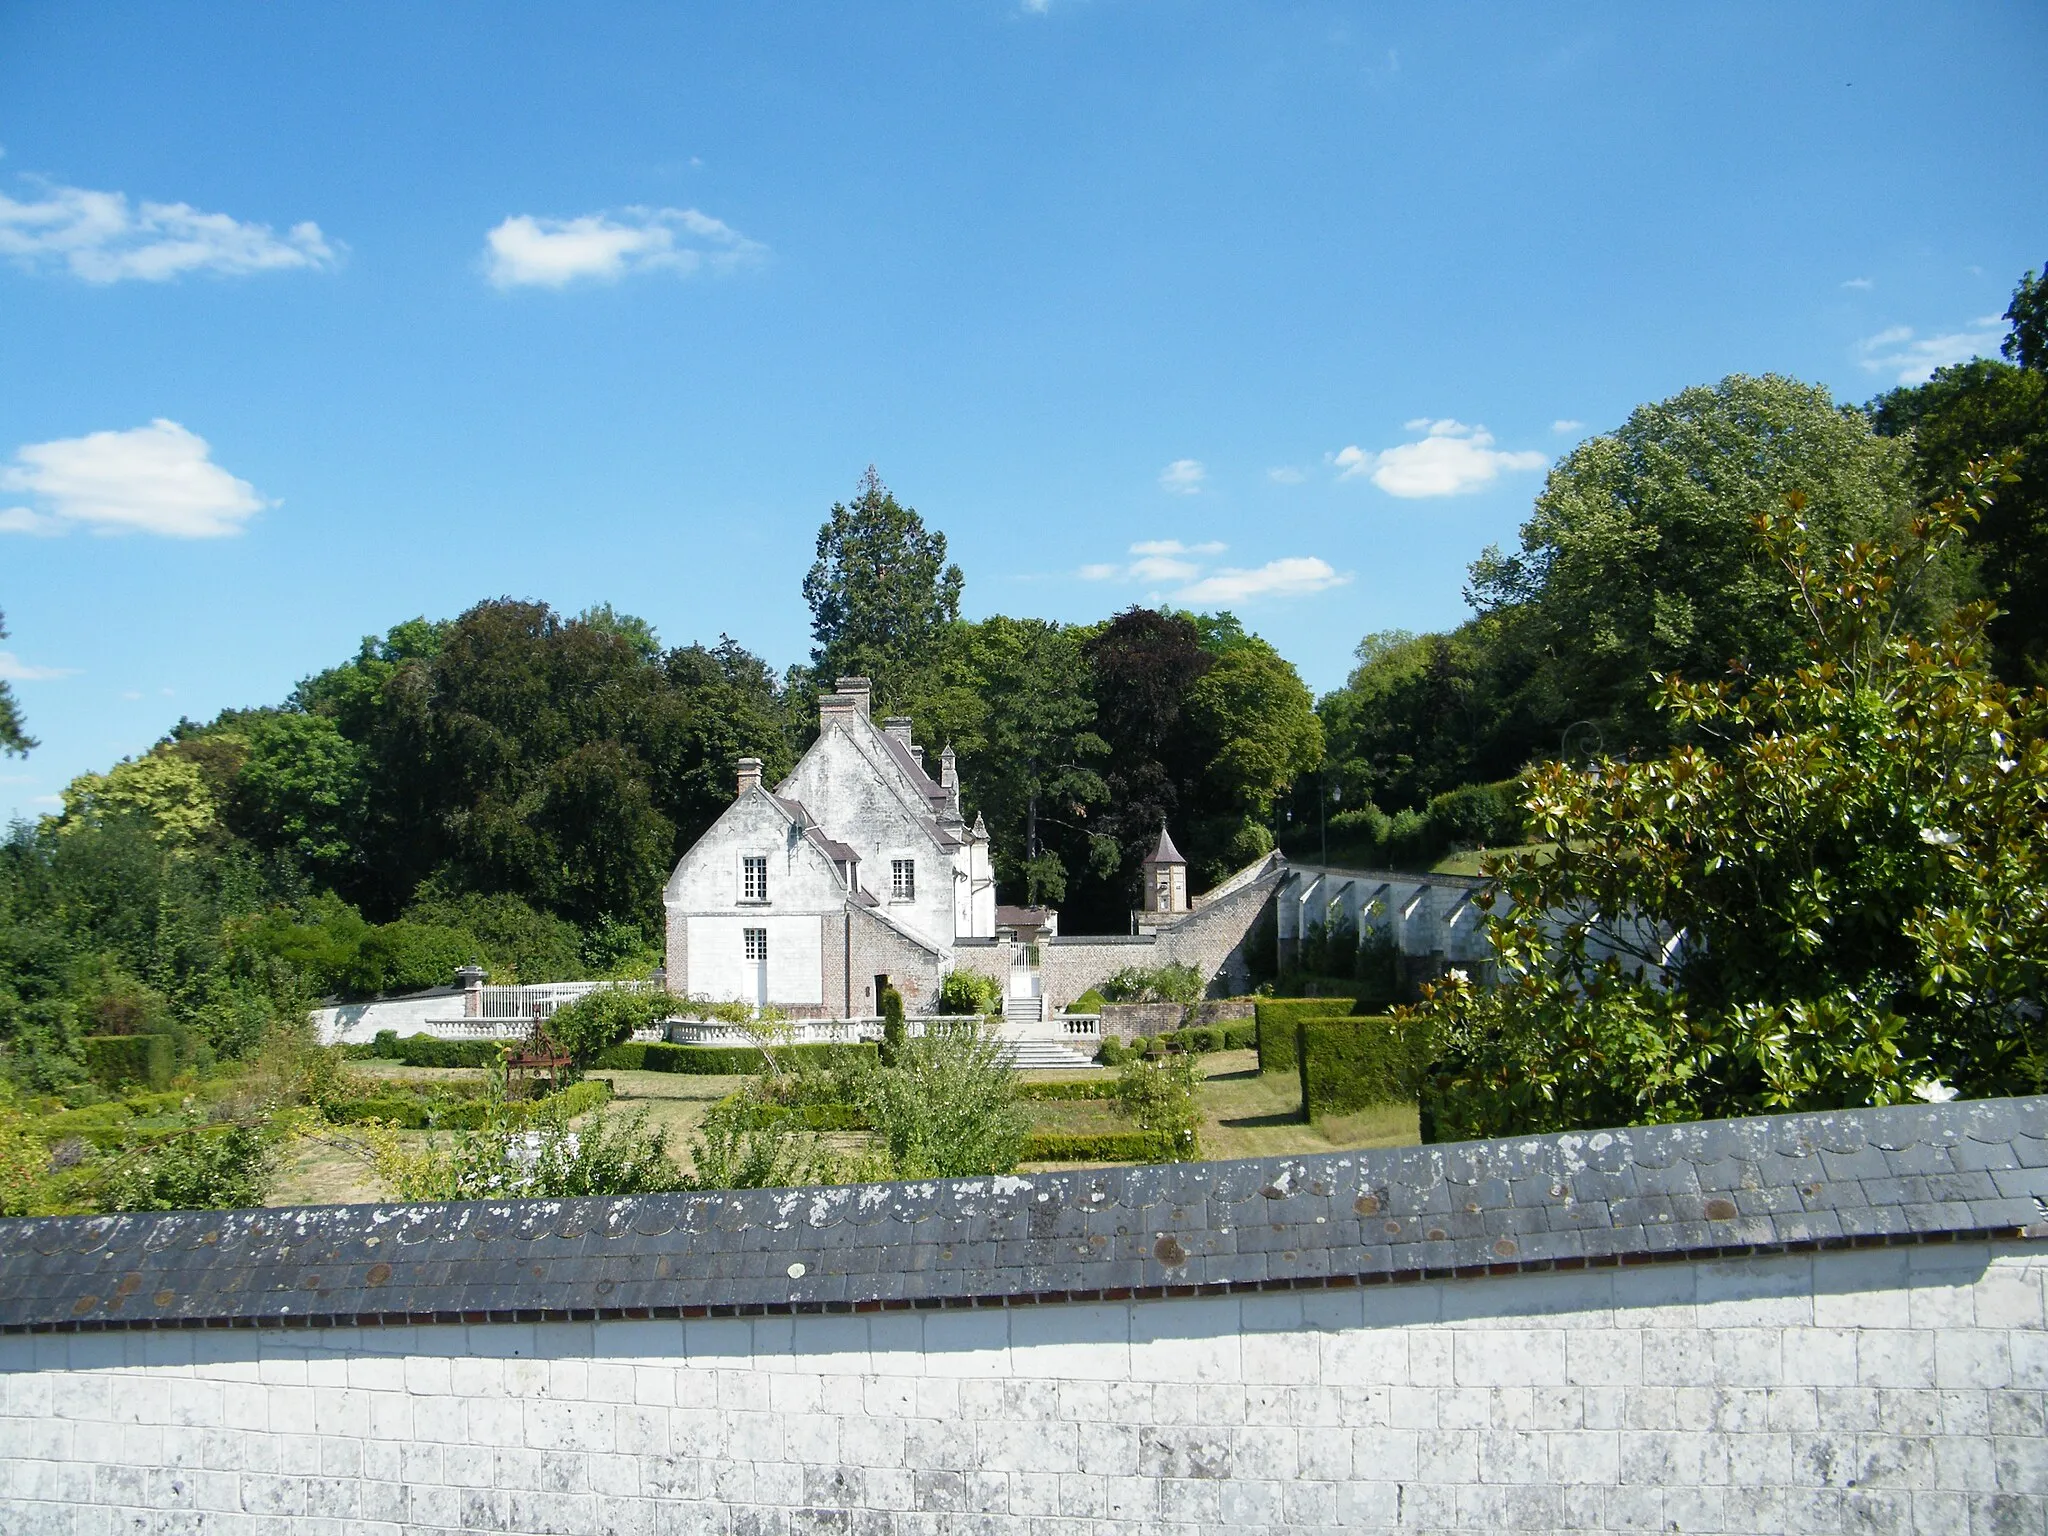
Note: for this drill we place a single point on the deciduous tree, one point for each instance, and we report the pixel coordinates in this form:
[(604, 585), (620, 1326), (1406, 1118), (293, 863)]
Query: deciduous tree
[(1835, 894)]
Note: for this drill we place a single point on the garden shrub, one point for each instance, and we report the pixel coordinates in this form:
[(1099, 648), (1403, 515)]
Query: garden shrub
[(385, 1045), (1164, 1097), (1277, 1017), (1240, 1037), (598, 1020), (1352, 1063), (969, 992), (218, 1168), (1088, 1002), (116, 1059), (946, 1105), (1157, 984)]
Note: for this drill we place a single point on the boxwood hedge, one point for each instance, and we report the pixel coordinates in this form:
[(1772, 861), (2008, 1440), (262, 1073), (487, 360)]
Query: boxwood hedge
[(1351, 1063), (1277, 1017)]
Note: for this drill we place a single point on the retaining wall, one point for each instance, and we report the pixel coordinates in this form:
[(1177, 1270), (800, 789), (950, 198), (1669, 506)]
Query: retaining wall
[(1812, 1323)]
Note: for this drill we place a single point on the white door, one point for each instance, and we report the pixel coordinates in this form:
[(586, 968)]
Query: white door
[(756, 968)]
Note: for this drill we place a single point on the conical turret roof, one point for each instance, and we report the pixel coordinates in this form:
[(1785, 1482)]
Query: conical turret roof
[(1165, 853)]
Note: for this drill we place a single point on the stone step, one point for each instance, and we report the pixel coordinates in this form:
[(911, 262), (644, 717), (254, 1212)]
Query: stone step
[(1037, 1055)]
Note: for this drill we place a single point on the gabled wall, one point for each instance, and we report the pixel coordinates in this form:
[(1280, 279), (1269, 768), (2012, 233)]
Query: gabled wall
[(859, 798), (706, 955)]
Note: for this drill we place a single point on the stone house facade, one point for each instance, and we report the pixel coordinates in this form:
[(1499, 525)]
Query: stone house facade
[(860, 870), (856, 870)]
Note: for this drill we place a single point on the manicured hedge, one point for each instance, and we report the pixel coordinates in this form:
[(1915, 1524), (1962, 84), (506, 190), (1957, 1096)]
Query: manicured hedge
[(1277, 1017), (1347, 1064), (711, 1060), (117, 1059), (1101, 1090), (1094, 1147), (1202, 1037), (814, 1117)]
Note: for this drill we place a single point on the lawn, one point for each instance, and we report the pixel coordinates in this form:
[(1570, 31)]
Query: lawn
[(1246, 1114)]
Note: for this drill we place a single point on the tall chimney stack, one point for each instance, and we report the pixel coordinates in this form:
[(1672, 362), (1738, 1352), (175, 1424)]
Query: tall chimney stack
[(899, 727), (859, 690), (750, 774)]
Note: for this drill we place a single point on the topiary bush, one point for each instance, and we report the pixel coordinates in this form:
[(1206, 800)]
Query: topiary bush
[(1353, 1063), (893, 1033), (1088, 1002), (1277, 1017)]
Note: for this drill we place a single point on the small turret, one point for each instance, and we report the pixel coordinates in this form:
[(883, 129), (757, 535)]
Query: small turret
[(1166, 877)]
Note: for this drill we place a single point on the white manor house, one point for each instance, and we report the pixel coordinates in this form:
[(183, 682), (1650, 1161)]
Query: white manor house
[(860, 871)]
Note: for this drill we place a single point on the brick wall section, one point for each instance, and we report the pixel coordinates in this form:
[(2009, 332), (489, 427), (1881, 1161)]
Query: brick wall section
[(1882, 1390), (1124, 1020)]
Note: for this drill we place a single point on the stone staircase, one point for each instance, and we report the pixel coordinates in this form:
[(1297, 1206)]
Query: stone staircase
[(1030, 1047), (1036, 1053), (1023, 1010)]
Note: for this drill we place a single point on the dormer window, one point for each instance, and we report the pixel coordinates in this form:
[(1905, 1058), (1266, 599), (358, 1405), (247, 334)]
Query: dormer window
[(754, 877), (903, 879)]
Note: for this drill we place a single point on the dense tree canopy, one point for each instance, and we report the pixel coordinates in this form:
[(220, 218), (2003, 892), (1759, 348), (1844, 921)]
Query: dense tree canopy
[(1639, 556), (1836, 894)]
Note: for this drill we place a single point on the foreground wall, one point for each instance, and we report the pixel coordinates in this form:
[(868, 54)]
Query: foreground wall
[(1808, 1323), (1879, 1390)]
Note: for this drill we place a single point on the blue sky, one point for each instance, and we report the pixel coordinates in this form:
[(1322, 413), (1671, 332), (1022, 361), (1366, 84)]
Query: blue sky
[(317, 318)]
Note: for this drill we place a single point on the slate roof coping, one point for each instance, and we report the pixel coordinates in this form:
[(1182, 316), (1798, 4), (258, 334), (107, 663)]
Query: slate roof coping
[(1582, 1199)]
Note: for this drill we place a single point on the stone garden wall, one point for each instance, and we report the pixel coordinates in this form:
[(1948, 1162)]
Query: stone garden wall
[(1815, 1323)]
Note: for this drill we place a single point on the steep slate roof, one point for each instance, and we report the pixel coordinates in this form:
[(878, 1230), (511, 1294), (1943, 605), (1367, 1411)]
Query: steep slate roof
[(1715, 1189), (1165, 853)]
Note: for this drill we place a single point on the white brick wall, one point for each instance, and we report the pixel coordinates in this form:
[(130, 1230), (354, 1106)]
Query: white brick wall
[(1888, 1390)]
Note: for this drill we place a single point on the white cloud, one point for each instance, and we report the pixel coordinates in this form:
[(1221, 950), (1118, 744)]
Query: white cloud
[(1861, 284), (100, 237), (1296, 576), (527, 251), (1183, 477), (1175, 547), (1167, 561), (1158, 560), (1566, 424), (14, 670), (154, 479), (1915, 357), (1450, 460), (1286, 474)]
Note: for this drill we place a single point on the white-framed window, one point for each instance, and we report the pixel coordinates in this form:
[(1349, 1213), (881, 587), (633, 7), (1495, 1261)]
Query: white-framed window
[(757, 943), (903, 879), (753, 877)]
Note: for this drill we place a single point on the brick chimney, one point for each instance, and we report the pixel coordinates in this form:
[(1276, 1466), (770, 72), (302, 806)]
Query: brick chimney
[(899, 727), (750, 774), (859, 690)]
